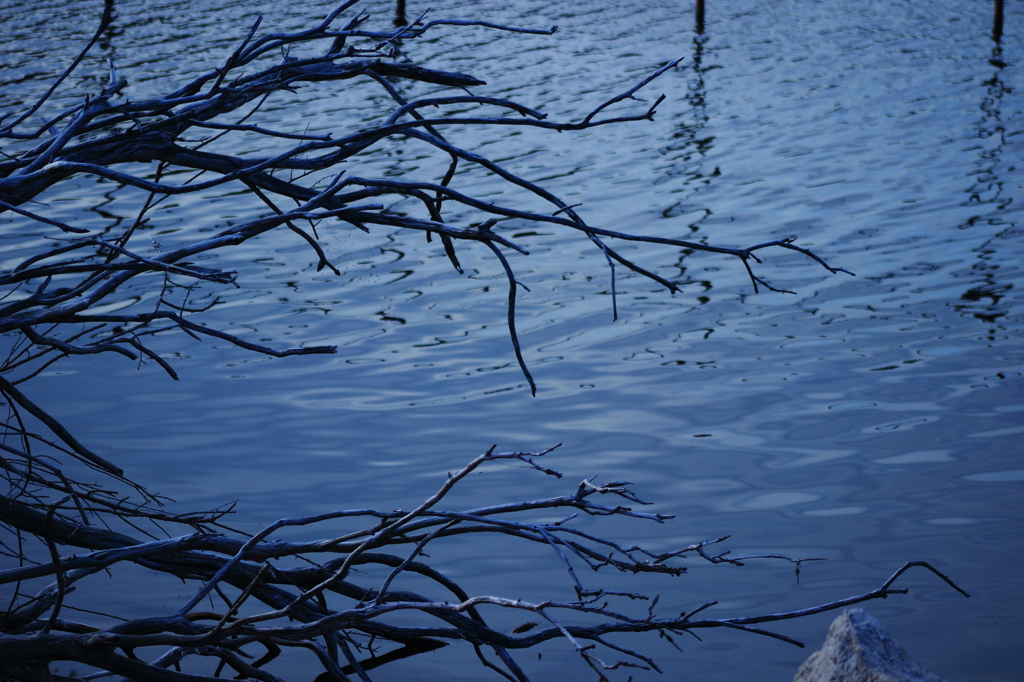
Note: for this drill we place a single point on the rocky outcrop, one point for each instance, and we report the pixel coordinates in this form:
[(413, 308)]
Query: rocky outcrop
[(857, 649)]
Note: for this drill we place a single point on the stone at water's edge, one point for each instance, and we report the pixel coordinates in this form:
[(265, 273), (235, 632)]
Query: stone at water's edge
[(857, 649)]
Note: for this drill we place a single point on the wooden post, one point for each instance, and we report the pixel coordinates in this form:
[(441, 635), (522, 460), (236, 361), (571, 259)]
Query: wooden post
[(700, 15), (400, 13), (997, 22)]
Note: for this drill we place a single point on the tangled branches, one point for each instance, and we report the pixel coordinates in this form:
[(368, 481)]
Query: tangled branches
[(143, 145), (322, 607), (277, 594)]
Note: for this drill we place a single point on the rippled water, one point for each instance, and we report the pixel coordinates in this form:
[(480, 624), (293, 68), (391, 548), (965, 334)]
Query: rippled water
[(871, 420)]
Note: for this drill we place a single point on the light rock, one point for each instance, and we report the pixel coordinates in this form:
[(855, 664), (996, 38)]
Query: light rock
[(857, 649)]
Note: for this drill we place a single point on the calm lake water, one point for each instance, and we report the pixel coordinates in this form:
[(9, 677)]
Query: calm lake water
[(872, 420)]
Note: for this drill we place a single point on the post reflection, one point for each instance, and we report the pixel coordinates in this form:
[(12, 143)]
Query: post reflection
[(688, 151), (988, 194), (689, 146)]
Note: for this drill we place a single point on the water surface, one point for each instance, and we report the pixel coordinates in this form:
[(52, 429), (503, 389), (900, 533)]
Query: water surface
[(871, 420)]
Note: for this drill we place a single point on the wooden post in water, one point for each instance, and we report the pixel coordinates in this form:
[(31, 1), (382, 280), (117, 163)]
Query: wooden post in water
[(400, 13), (997, 22), (700, 15)]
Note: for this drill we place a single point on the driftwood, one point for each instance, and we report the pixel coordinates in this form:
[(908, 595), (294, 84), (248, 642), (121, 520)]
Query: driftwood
[(278, 594)]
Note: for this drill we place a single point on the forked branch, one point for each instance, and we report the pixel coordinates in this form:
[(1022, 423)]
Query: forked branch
[(322, 600), (150, 146)]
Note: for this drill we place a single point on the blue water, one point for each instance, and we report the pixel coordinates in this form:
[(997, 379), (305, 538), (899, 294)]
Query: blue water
[(871, 420)]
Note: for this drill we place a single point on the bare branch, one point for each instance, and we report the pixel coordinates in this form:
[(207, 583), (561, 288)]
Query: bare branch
[(299, 595)]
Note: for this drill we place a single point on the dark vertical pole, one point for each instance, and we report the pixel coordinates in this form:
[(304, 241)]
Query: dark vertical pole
[(997, 22), (700, 15), (400, 13)]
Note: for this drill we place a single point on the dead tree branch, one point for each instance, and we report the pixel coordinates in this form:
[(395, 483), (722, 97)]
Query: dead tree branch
[(143, 144), (321, 601), (280, 594)]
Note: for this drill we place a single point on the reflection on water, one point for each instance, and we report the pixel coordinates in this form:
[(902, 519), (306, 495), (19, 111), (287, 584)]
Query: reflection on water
[(870, 420)]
